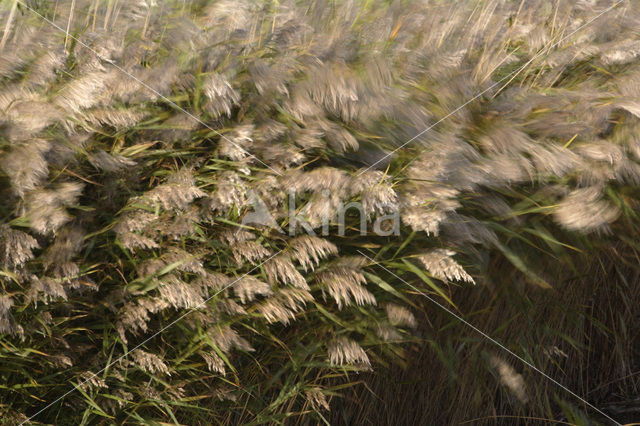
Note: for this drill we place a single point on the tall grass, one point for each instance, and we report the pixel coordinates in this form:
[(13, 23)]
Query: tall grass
[(136, 135), (583, 333)]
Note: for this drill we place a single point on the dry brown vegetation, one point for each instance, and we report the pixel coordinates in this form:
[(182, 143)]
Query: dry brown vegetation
[(135, 137)]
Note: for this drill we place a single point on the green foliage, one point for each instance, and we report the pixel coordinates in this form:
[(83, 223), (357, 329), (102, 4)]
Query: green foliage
[(131, 153)]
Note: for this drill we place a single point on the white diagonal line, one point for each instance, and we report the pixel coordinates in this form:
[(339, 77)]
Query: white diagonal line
[(513, 73), (151, 337), (119, 68), (492, 340)]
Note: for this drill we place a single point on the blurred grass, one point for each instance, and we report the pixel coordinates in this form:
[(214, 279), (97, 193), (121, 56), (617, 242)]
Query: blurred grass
[(565, 302)]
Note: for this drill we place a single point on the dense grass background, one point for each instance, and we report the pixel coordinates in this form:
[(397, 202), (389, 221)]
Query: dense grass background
[(583, 334), (130, 148)]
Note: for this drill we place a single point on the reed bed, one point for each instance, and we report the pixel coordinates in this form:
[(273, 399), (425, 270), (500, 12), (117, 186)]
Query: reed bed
[(492, 150)]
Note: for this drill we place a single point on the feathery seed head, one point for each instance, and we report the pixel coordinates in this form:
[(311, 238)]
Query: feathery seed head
[(440, 264), (345, 351)]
